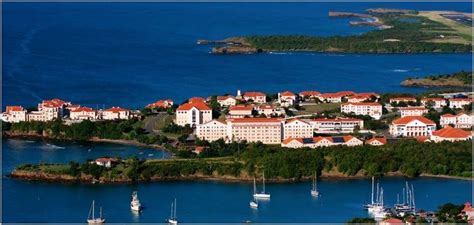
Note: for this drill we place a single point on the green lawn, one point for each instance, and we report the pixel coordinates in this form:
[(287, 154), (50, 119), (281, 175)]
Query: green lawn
[(311, 109)]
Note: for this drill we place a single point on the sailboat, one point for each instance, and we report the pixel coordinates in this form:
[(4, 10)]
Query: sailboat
[(372, 204), (314, 190), (135, 204), (173, 220), (91, 218), (254, 203), (379, 211), (262, 195)]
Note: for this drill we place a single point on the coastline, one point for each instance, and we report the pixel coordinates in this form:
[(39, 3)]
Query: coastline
[(88, 179)]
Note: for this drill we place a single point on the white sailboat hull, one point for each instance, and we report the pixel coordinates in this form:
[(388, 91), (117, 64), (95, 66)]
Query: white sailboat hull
[(314, 193), (135, 207), (173, 222), (261, 196), (253, 205), (96, 221)]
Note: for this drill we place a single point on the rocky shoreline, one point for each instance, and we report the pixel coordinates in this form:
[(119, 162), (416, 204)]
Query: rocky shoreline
[(423, 82)]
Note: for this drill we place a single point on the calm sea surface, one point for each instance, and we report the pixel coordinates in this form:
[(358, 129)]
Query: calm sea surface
[(104, 54), (130, 54)]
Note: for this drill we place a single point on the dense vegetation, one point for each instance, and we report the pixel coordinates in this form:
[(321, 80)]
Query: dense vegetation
[(247, 160), (410, 37), (465, 77), (119, 129)]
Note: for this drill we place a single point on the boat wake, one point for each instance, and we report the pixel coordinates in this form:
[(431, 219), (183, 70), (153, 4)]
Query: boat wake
[(400, 70), (51, 146)]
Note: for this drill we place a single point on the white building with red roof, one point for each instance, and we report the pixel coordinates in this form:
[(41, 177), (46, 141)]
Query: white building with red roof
[(468, 212), (436, 103), (227, 100), (360, 97), (167, 103), (319, 141), (49, 110), (241, 111), (212, 131), (331, 97), (450, 134), (458, 103), (14, 114), (115, 113), (337, 125), (269, 110), (402, 99), (197, 100), (256, 97), (193, 113), (106, 161), (372, 109), (412, 111), (83, 113), (309, 94), (412, 126), (265, 130), (377, 141), (297, 128), (461, 120), (287, 98)]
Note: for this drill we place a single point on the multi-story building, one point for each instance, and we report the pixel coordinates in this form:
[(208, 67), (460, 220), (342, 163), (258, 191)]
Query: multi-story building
[(309, 94), (213, 130), (397, 100), (241, 111), (412, 111), (316, 142), (459, 102), (265, 130), (14, 114), (361, 97), (115, 113), (51, 109), (256, 97), (38, 116), (435, 102), (372, 109), (269, 110), (377, 141), (331, 97), (227, 100), (168, 103), (460, 120), (412, 126), (83, 113), (337, 125), (297, 128), (450, 134), (287, 98), (193, 114)]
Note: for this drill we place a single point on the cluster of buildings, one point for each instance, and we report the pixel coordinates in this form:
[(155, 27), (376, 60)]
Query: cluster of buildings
[(436, 103), (49, 110)]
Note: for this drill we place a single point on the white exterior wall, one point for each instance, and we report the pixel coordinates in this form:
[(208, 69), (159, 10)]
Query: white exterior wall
[(83, 115), (370, 110), (336, 126), (212, 131), (459, 103), (417, 112), (297, 129), (122, 115), (267, 132), (412, 129), (193, 116), (227, 102)]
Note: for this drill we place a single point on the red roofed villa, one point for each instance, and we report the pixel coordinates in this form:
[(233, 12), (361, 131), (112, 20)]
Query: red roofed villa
[(450, 134)]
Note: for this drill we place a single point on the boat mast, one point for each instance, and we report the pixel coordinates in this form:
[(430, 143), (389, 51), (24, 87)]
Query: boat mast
[(100, 212), (254, 186), (175, 208), (93, 209), (413, 198), (398, 199), (378, 194), (263, 181), (315, 181), (372, 198), (171, 214), (381, 196), (403, 195)]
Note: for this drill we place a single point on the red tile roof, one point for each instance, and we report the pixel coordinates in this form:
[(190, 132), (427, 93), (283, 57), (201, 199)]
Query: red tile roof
[(448, 115), (460, 100), (412, 108), (364, 95), (337, 120), (196, 100), (198, 105), (467, 207), (287, 94), (423, 139), (288, 140), (362, 103), (161, 103), (116, 110), (56, 102), (382, 140), (254, 94), (347, 138), (266, 107), (450, 132), (83, 109), (223, 98), (255, 120), (242, 108), (393, 221), (346, 93), (433, 99), (408, 119), (14, 108), (309, 93), (331, 95), (408, 99), (319, 138)]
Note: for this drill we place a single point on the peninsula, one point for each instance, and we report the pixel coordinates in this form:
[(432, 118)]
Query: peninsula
[(460, 79), (400, 31)]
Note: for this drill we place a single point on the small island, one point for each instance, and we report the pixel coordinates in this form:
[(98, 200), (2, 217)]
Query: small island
[(461, 79), (400, 31)]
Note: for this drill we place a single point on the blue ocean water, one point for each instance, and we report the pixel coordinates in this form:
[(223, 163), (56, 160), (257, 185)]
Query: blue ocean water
[(131, 54), (201, 201)]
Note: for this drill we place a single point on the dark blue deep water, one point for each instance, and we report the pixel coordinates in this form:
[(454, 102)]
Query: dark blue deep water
[(131, 54)]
